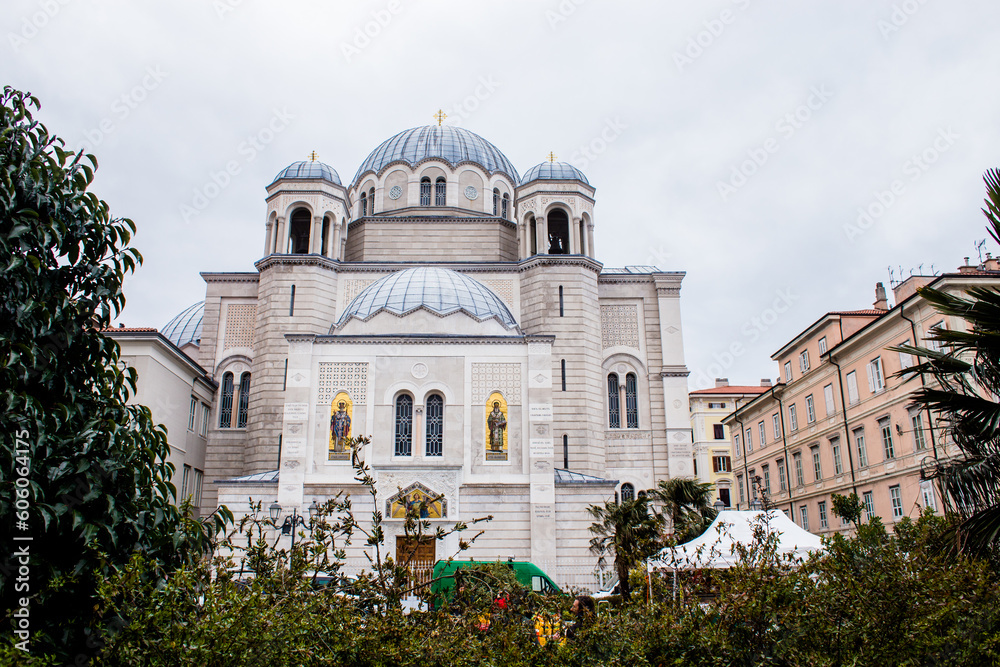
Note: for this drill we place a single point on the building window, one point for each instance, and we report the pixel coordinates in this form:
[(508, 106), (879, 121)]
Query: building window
[(748, 439), (897, 501), (737, 445), (919, 439), (931, 343), (185, 483), (822, 345), (363, 206), (885, 427), (203, 431), (838, 463), (196, 483), (800, 478), (804, 360), (716, 406), (823, 522), (804, 516), (719, 431), (828, 399), (298, 232), (793, 419), (927, 493), (817, 463), (810, 409), (506, 206), (739, 485), (425, 192), (614, 406), (766, 469), (566, 452), (852, 388), (776, 425), (440, 192), (627, 492), (371, 202), (496, 201), (435, 425), (291, 302), (404, 425), (562, 368), (869, 503), (905, 358), (244, 403), (782, 482), (631, 401), (859, 445), (788, 371), (194, 406), (721, 463), (562, 307), (763, 434), (876, 380), (724, 496), (226, 401)]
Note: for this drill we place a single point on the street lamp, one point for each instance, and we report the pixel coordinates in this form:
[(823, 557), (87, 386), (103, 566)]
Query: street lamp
[(292, 522), (719, 505)]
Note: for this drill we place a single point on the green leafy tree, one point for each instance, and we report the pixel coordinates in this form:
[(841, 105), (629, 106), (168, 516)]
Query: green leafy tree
[(96, 486), (688, 503), (966, 374), (628, 531)]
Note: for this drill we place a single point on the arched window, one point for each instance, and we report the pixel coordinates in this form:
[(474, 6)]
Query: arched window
[(364, 204), (558, 232), (404, 426), (614, 410), (371, 202), (435, 425), (326, 233), (583, 237), (244, 403), (628, 492), (440, 192), (496, 200), (425, 192), (298, 232), (506, 206), (631, 401), (226, 401), (534, 236)]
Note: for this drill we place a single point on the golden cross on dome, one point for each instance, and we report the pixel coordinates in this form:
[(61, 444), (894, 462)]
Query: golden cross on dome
[(440, 115), (313, 156), (552, 156)]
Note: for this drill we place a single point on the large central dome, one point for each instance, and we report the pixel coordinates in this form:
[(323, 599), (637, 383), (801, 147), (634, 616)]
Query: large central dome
[(452, 144), (441, 291)]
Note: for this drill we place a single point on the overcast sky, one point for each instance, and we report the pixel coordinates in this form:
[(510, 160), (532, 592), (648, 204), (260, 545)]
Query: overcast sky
[(735, 140)]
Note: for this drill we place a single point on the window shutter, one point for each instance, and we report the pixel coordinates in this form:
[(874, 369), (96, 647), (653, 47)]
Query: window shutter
[(871, 378)]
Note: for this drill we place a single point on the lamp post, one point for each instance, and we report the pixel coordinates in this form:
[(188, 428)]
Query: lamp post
[(294, 521), (760, 501), (719, 505)]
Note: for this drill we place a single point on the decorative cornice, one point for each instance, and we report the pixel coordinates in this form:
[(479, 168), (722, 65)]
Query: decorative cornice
[(430, 220), (556, 193), (461, 267), (560, 260), (298, 192), (300, 260), (243, 277), (418, 339), (674, 372)]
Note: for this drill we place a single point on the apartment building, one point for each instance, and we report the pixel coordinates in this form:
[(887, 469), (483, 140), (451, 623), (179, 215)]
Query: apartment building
[(713, 448), (842, 420)]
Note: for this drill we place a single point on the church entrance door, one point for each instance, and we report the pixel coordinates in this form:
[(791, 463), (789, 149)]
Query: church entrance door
[(421, 554)]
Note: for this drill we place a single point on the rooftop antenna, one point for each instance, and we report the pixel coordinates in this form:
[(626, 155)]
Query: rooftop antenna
[(892, 277), (979, 249), (933, 272), (920, 270)]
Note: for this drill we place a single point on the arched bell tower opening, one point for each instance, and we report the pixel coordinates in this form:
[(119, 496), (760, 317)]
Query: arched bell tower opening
[(558, 223), (298, 232)]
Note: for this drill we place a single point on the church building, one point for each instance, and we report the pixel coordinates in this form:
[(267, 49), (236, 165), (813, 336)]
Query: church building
[(455, 311)]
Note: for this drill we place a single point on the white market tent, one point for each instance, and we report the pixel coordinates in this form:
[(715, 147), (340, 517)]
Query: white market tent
[(716, 547)]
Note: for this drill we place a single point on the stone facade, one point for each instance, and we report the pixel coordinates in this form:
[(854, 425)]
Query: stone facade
[(588, 360)]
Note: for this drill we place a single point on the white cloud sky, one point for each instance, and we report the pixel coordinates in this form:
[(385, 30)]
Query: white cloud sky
[(697, 88)]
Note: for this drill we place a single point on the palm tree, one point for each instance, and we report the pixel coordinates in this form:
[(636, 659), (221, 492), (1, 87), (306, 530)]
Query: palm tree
[(966, 371), (629, 531), (688, 503)]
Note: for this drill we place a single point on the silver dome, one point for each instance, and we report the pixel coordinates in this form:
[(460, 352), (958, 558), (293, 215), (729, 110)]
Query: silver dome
[(186, 327), (452, 144), (554, 171), (308, 169), (441, 291)]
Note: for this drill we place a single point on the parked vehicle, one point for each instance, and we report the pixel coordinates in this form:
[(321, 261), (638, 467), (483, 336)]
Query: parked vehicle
[(528, 575)]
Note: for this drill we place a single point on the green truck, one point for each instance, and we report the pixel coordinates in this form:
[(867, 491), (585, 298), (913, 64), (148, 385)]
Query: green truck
[(528, 574)]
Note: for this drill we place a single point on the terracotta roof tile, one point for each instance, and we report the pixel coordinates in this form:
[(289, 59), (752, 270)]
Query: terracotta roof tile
[(732, 390)]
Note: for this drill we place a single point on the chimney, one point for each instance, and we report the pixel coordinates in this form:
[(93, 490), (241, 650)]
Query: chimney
[(721, 382), (765, 382), (992, 263), (880, 301), (968, 268)]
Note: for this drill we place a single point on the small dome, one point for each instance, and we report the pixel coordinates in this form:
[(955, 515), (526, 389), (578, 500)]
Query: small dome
[(308, 169), (186, 327), (441, 291), (451, 144), (554, 171)]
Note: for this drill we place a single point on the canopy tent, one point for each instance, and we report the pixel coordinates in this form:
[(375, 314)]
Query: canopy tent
[(716, 547)]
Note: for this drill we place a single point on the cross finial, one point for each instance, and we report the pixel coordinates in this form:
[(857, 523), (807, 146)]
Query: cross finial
[(552, 156), (313, 156), (440, 115)]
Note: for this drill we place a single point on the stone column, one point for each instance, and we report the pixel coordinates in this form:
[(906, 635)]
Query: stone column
[(574, 236), (674, 378), (331, 230), (295, 428), (542, 235), (590, 240), (315, 235), (541, 454), (280, 236), (268, 237)]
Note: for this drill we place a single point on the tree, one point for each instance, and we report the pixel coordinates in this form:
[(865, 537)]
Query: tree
[(91, 482), (688, 502), (629, 531), (966, 371)]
